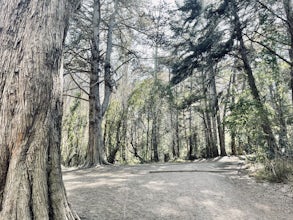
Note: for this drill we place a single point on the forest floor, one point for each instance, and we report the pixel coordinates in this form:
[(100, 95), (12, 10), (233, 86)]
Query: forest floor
[(201, 190)]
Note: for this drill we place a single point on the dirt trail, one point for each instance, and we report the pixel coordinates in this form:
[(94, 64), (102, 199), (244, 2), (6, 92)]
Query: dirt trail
[(176, 191)]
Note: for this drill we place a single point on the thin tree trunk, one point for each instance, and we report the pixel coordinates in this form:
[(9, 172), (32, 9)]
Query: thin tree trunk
[(108, 85), (190, 153), (232, 132), (32, 36), (175, 131), (147, 135), (177, 135), (288, 6), (214, 132), (155, 137), (191, 142), (124, 132), (184, 128), (209, 144)]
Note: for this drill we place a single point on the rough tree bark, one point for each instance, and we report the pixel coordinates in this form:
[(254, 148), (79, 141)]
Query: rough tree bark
[(209, 120), (191, 152), (97, 107), (216, 113), (92, 156), (175, 130), (31, 37), (155, 134), (232, 132)]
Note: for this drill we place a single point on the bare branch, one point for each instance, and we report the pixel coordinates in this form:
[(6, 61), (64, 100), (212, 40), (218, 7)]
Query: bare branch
[(272, 11), (270, 50), (82, 89), (76, 97), (122, 64)]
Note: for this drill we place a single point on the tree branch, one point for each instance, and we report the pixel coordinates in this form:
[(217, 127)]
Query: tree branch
[(82, 89), (122, 64), (72, 96), (272, 11), (269, 49)]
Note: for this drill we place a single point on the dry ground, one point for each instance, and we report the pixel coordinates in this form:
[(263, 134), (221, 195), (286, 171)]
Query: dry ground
[(201, 190)]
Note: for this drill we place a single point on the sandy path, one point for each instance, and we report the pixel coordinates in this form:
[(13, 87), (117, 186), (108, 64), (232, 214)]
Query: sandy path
[(141, 192)]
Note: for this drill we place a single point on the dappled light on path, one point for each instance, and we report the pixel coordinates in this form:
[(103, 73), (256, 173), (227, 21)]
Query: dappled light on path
[(133, 192)]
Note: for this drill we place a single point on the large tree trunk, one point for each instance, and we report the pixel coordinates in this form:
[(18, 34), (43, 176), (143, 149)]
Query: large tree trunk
[(95, 151), (211, 143), (216, 112), (211, 120), (265, 122), (97, 108), (32, 35)]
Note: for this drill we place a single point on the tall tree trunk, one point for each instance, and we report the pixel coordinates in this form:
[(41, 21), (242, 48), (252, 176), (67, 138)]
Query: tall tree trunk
[(97, 109), (177, 142), (216, 111), (190, 152), (155, 136), (92, 155), (184, 128), (32, 35), (175, 129), (209, 143), (124, 132), (288, 6), (108, 79), (232, 132), (211, 146), (265, 122), (154, 105), (147, 135), (211, 120)]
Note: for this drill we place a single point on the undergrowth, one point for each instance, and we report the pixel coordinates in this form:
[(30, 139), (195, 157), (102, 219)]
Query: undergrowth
[(277, 171)]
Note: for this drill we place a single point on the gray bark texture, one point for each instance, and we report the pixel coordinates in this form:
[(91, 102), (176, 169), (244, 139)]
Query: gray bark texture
[(32, 33), (97, 108), (95, 119)]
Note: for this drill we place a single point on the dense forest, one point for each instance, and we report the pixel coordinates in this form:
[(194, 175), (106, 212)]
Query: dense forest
[(167, 82), (89, 83)]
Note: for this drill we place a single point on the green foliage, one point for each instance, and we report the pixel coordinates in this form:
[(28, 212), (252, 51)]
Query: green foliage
[(244, 114), (206, 43), (74, 128), (244, 119), (139, 94)]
